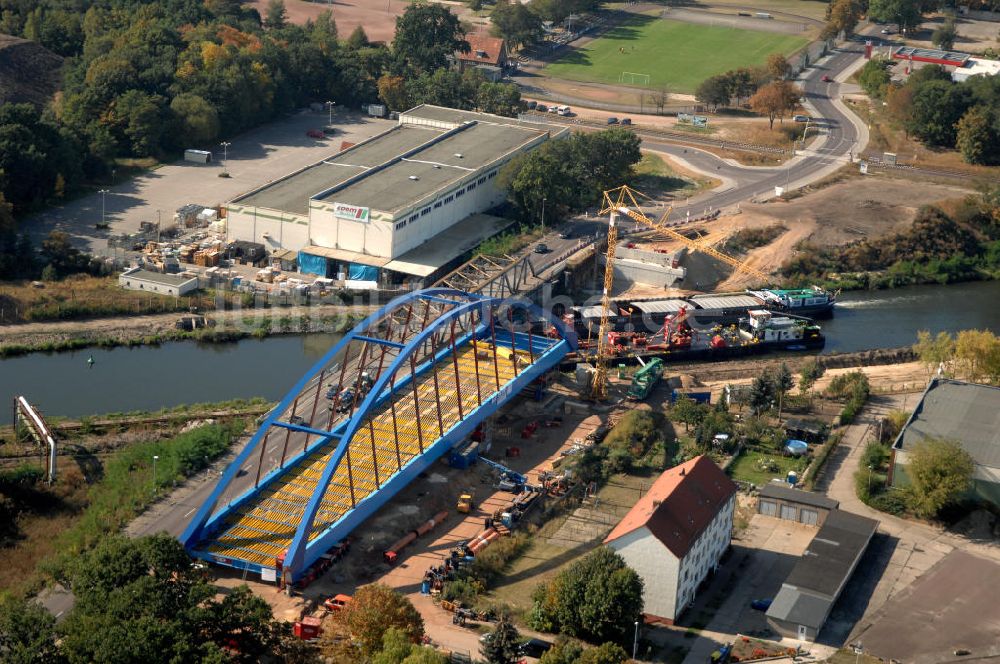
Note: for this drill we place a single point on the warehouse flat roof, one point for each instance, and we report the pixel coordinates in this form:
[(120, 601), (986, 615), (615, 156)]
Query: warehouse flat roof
[(376, 173), (159, 277), (448, 244), (726, 301), (436, 166)]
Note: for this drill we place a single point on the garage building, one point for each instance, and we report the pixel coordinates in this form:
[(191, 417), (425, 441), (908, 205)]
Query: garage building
[(807, 596), (777, 499), (374, 207)]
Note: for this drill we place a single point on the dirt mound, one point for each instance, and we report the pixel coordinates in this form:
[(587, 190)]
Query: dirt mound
[(28, 72)]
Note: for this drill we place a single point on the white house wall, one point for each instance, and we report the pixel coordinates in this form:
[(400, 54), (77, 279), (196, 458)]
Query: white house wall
[(704, 554), (656, 565)]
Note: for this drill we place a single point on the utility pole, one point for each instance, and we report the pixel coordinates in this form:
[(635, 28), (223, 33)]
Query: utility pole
[(225, 156), (155, 457), (543, 215)]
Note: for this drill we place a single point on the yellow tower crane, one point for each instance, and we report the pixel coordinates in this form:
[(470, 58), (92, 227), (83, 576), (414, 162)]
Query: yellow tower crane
[(622, 200)]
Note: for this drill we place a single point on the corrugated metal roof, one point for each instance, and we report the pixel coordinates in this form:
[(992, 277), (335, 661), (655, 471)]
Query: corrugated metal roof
[(726, 301), (956, 410), (660, 306), (594, 311)]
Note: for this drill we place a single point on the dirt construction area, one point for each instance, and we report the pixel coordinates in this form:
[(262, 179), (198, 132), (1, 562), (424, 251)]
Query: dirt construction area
[(839, 214)]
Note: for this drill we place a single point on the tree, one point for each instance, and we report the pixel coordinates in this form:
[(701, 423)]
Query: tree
[(659, 98), (944, 37), (874, 77), (937, 108), (977, 353), (842, 16), (940, 472), (398, 648), (63, 257), (686, 410), (761, 395), (501, 646), (607, 653), (374, 609), (426, 34), (775, 99), (564, 651), (516, 23), (810, 372), (275, 16), (197, 121), (393, 91), (778, 66), (358, 38), (27, 632), (782, 382), (976, 136), (714, 91), (597, 598), (499, 98), (904, 13)]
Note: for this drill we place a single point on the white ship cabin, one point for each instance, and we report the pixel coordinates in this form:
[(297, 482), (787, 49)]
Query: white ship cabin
[(762, 325)]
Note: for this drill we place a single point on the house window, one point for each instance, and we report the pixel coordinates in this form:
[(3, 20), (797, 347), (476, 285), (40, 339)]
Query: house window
[(481, 180), (472, 185), (426, 210), (438, 204), (449, 199), (460, 192)]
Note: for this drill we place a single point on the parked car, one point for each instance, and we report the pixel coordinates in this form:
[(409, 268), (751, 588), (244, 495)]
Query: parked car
[(542, 248), (296, 419), (612, 120), (535, 648), (315, 133), (337, 602), (626, 121), (886, 31), (530, 105), (801, 118), (541, 108), (565, 235), (825, 78), (761, 604)]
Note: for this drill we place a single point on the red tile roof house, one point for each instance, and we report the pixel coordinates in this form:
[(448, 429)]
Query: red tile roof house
[(486, 53), (676, 534)]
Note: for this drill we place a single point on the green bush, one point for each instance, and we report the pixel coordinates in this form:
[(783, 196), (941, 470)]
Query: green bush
[(23, 475), (894, 501), (491, 563), (459, 590), (820, 459)]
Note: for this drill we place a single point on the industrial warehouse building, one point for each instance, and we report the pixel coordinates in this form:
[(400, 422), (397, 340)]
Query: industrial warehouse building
[(967, 413), (676, 534), (405, 202)]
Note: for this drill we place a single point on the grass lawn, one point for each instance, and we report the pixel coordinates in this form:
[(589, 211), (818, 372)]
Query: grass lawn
[(674, 54), (747, 469)]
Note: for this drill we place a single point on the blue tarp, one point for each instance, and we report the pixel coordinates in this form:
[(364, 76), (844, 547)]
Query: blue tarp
[(310, 264), (357, 272)]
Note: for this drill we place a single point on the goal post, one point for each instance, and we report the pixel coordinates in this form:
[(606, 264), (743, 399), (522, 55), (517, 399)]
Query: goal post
[(633, 78)]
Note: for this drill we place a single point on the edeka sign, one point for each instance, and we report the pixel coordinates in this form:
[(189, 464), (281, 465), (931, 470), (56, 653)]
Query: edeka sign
[(352, 212)]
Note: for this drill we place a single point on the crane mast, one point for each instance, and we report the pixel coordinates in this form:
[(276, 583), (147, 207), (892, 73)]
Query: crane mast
[(622, 200)]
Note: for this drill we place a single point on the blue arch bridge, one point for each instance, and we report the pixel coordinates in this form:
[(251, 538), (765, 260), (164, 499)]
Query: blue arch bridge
[(404, 387)]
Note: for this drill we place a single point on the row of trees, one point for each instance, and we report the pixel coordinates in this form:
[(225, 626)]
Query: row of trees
[(521, 24), (764, 88), (974, 354), (570, 173), (468, 90)]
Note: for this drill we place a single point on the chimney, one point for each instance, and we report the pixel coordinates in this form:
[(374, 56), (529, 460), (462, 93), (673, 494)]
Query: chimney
[(683, 473)]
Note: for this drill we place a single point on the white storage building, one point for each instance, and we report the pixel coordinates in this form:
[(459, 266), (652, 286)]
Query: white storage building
[(375, 205)]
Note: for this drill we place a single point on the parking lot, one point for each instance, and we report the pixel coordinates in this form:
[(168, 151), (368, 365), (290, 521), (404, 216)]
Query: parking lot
[(254, 159)]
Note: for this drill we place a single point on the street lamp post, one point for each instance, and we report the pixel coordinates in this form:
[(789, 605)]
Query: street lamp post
[(635, 640), (155, 457), (330, 105), (870, 469), (543, 215), (225, 155), (103, 193)]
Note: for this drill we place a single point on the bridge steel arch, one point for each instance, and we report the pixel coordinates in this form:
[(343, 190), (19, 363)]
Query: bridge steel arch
[(419, 393)]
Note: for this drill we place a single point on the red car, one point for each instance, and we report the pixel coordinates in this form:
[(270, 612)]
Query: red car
[(825, 78), (315, 133)]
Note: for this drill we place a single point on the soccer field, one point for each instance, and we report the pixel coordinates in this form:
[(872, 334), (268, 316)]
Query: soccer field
[(675, 54)]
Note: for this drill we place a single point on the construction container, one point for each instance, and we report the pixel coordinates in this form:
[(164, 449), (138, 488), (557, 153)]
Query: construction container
[(307, 628)]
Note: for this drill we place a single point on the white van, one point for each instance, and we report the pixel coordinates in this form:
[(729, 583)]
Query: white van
[(563, 110)]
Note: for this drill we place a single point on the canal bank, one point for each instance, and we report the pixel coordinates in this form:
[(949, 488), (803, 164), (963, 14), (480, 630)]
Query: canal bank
[(153, 377)]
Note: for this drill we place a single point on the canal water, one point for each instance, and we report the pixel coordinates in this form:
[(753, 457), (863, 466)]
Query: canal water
[(148, 378)]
